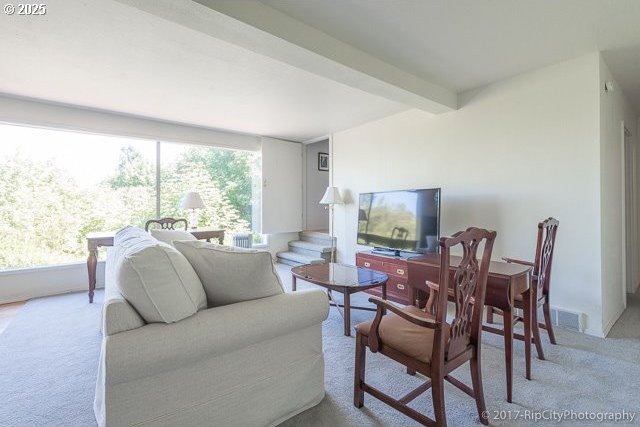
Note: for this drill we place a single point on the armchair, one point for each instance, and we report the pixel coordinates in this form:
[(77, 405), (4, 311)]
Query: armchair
[(538, 294), (424, 341)]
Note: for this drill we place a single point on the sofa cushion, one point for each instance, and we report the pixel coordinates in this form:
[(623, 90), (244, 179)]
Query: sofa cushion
[(117, 314), (155, 278), (230, 275), (168, 236)]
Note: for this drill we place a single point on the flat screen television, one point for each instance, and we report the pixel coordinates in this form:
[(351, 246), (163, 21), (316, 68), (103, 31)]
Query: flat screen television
[(400, 221)]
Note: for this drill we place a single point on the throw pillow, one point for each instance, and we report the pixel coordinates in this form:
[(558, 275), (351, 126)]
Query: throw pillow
[(155, 278), (168, 236), (230, 275)]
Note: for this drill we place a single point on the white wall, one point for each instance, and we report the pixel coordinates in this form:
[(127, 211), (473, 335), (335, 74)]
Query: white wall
[(20, 285), (280, 242), (516, 152), (614, 110), (316, 182)]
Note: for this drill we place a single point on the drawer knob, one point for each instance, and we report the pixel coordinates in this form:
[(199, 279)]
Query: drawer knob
[(400, 271), (367, 264), (400, 286)]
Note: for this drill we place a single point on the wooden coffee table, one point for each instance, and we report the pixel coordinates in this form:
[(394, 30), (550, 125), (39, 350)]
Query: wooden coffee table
[(343, 278)]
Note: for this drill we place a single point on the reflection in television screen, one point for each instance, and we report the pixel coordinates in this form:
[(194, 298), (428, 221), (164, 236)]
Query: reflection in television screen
[(407, 220)]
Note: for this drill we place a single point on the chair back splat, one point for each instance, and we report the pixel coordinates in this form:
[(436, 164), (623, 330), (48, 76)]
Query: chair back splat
[(165, 223), (547, 230), (467, 284)]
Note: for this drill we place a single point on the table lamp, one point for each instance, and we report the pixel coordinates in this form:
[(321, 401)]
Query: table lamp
[(193, 201)]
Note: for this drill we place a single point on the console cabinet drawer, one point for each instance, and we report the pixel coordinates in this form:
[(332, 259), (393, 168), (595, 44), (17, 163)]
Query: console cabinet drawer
[(387, 265), (398, 289), (395, 269), (391, 296), (369, 263)]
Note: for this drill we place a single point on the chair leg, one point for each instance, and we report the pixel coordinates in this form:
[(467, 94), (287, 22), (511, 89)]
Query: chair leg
[(507, 316), (476, 378), (437, 389), (358, 390), (535, 328), (527, 309), (489, 314), (547, 322)]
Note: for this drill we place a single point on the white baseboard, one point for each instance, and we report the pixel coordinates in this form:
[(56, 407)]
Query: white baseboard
[(32, 295), (594, 332), (607, 327)]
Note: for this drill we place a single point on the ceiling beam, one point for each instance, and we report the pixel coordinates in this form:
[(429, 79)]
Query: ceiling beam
[(266, 31)]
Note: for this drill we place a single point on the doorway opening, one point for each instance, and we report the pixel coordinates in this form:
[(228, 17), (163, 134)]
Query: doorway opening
[(630, 216), (316, 181)]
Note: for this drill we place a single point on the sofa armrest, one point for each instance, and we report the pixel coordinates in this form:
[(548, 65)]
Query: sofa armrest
[(156, 347), (117, 314)]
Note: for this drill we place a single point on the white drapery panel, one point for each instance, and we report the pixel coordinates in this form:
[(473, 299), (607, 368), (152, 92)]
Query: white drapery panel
[(281, 186)]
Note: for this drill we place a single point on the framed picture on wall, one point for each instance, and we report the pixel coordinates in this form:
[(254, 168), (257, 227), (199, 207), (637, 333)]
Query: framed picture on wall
[(323, 161)]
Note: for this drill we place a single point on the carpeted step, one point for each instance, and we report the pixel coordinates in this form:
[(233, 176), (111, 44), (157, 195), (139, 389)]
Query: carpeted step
[(293, 258), (310, 253), (309, 246), (287, 262), (316, 237)]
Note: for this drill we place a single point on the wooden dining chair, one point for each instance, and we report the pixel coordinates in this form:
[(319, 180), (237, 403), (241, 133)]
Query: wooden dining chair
[(423, 341), (166, 223), (538, 294)]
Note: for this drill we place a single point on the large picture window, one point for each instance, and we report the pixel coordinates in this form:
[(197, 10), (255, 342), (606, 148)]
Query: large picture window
[(223, 178), (58, 186)]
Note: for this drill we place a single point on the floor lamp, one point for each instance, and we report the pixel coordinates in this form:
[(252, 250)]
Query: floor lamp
[(330, 199)]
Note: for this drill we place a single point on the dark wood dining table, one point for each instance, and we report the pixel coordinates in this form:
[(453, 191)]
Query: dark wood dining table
[(505, 282)]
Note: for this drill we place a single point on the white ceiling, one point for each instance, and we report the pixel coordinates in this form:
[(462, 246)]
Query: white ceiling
[(624, 63), (106, 55), (109, 55), (463, 44)]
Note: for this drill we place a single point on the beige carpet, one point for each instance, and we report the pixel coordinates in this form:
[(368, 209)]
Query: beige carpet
[(49, 353), (581, 374)]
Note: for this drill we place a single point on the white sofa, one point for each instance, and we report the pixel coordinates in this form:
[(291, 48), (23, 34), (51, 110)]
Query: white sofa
[(252, 363)]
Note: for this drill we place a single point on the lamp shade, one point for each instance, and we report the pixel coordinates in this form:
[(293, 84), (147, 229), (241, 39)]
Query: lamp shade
[(331, 197), (191, 200)]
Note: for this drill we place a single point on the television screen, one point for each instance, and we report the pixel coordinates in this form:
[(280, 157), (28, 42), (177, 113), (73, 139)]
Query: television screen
[(407, 220)]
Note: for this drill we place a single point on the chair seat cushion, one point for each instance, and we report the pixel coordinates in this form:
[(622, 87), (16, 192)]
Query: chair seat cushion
[(401, 335)]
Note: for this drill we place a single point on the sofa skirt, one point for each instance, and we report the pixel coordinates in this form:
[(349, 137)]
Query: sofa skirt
[(260, 385)]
